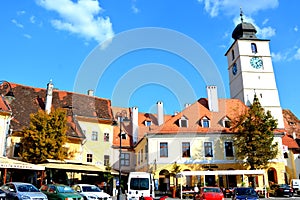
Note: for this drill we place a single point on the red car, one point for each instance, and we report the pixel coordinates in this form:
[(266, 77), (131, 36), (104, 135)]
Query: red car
[(208, 193)]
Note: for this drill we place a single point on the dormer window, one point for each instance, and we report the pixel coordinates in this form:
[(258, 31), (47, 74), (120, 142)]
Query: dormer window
[(148, 123), (183, 122), (226, 122), (253, 48), (205, 122)]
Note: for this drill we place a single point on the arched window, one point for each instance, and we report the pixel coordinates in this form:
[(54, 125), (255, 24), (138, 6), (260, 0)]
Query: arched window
[(253, 48), (232, 54)]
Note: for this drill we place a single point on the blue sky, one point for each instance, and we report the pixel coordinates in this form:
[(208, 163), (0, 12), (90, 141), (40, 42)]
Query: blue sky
[(60, 39)]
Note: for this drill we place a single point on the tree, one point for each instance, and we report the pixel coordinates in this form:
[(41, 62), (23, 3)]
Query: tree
[(45, 137), (254, 136), (175, 170)]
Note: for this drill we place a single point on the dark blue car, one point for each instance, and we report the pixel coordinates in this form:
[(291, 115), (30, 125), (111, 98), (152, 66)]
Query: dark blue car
[(244, 193)]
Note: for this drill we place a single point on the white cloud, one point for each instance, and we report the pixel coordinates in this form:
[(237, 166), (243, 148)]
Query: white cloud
[(17, 23), (232, 7), (277, 57), (297, 55), (265, 21), (81, 18), (135, 9), (296, 28), (32, 19), (266, 32), (27, 36), (22, 12)]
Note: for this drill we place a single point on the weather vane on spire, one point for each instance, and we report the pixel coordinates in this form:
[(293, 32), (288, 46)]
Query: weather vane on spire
[(241, 14)]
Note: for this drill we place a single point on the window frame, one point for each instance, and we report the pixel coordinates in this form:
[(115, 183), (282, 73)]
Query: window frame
[(89, 157), (228, 152), (163, 149), (186, 149), (125, 159), (208, 149), (94, 136)]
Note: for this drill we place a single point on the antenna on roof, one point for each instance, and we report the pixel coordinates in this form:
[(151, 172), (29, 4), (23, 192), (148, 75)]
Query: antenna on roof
[(241, 14)]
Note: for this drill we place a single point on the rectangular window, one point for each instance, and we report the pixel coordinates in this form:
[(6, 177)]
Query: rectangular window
[(228, 149), (17, 149), (89, 157), (183, 123), (94, 136), (106, 137), (186, 149), (232, 55), (125, 159), (163, 149), (208, 151), (106, 160), (205, 123)]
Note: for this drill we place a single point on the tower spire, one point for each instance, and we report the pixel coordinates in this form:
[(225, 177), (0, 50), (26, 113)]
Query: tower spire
[(241, 14)]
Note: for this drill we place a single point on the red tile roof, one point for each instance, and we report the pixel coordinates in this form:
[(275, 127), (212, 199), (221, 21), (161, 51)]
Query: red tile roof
[(29, 100), (289, 141)]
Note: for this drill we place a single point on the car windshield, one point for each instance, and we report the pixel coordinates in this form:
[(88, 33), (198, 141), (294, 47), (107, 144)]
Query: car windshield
[(212, 190), (64, 189), (90, 189), (27, 188), (245, 191)]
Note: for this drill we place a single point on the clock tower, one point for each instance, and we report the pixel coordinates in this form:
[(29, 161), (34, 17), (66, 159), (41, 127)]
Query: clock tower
[(251, 71)]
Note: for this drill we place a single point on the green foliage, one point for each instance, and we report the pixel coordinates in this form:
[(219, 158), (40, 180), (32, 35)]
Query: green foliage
[(254, 136), (45, 137), (175, 169)]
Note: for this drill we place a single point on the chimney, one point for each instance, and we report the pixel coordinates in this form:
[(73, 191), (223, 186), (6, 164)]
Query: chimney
[(49, 93), (212, 95), (135, 126), (90, 92), (160, 113), (187, 105)]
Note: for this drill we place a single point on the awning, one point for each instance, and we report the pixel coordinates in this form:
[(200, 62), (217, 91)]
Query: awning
[(72, 167), (221, 172), (16, 164)]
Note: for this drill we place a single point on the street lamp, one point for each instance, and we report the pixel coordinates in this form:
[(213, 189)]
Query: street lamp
[(122, 118)]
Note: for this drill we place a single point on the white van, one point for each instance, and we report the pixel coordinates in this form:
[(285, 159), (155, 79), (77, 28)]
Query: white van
[(295, 184), (140, 185)]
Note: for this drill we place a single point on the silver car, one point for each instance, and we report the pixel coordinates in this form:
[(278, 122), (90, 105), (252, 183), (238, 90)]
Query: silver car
[(22, 191)]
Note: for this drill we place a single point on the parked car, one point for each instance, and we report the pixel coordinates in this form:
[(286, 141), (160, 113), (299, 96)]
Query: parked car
[(278, 190), (2, 194), (228, 192), (59, 192), (91, 192), (244, 193), (19, 191), (208, 193)]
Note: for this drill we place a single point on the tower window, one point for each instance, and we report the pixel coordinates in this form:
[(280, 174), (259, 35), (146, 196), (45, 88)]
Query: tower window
[(232, 55), (253, 48)]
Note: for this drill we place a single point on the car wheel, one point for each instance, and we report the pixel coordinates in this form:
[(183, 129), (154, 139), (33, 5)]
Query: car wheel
[(84, 198)]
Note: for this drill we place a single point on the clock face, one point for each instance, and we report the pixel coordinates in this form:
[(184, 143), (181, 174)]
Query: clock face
[(234, 69), (256, 62)]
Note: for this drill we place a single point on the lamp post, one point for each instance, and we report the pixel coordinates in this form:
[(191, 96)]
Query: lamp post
[(122, 118)]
